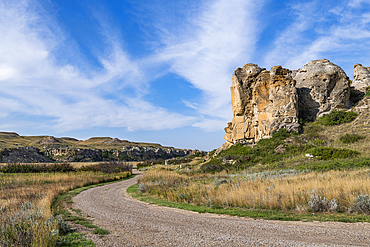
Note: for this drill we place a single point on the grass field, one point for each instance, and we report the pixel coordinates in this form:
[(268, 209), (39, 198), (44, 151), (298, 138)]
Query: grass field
[(26, 217), (284, 190), (325, 171)]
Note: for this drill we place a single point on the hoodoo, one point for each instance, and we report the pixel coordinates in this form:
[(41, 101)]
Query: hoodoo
[(266, 101), (263, 101)]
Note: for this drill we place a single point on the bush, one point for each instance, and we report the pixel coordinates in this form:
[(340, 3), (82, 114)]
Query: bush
[(361, 204), (336, 117), (108, 167), (37, 168), (350, 138), (218, 181), (327, 153), (318, 203), (239, 157), (141, 188), (312, 130)]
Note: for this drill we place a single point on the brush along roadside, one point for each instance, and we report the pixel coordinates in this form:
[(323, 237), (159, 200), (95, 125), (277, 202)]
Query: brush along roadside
[(27, 218), (281, 195)]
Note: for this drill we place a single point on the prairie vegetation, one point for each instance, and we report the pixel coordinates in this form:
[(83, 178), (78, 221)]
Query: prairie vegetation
[(285, 190), (325, 170), (26, 217)]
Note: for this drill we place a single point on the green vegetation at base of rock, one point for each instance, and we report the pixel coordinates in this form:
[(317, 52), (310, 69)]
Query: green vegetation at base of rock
[(336, 117)]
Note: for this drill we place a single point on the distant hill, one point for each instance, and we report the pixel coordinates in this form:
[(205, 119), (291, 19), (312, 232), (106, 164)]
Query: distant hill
[(34, 149), (13, 140)]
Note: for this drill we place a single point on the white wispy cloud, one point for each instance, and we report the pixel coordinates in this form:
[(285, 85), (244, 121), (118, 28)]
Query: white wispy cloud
[(323, 30), (34, 82), (213, 43)]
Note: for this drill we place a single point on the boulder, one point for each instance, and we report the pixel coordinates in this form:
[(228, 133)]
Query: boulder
[(322, 87), (361, 78), (263, 101)]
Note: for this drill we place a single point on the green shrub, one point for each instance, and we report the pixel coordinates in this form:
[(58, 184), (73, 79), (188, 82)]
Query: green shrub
[(350, 138), (37, 168), (312, 130), (336, 117), (239, 157), (327, 153), (108, 167), (327, 165)]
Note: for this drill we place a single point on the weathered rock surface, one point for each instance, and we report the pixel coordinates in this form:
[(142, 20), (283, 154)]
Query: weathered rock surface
[(322, 87), (35, 155), (361, 78), (263, 101), (125, 154)]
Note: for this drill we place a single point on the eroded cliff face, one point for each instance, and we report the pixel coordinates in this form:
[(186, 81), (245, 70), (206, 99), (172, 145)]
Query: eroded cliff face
[(263, 101), (266, 101)]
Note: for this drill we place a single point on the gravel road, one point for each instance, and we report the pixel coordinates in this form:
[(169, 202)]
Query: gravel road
[(134, 223)]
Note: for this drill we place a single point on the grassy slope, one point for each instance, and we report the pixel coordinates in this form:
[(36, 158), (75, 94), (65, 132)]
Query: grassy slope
[(263, 157)]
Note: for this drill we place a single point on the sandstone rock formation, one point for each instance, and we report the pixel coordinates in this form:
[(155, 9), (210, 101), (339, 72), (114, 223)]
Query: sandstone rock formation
[(263, 101), (361, 78), (322, 86)]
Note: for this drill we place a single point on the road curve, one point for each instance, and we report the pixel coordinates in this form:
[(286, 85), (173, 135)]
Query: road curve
[(134, 223)]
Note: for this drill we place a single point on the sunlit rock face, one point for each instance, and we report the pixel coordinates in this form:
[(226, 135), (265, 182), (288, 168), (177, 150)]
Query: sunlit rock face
[(361, 78), (263, 101), (266, 101), (322, 87)]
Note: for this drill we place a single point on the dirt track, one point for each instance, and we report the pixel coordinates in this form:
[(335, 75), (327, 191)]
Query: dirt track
[(134, 223)]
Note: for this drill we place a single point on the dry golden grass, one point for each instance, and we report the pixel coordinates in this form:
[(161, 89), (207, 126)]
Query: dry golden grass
[(22, 195), (282, 192)]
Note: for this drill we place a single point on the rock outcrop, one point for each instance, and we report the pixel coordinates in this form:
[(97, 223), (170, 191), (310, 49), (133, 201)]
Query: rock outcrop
[(263, 101), (266, 101), (361, 78), (125, 154), (23, 155), (322, 87), (35, 155)]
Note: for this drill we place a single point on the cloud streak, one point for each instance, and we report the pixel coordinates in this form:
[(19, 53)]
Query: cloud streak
[(215, 42), (35, 83), (323, 30)]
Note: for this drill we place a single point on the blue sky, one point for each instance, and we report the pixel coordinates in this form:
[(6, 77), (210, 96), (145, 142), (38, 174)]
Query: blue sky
[(157, 71)]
